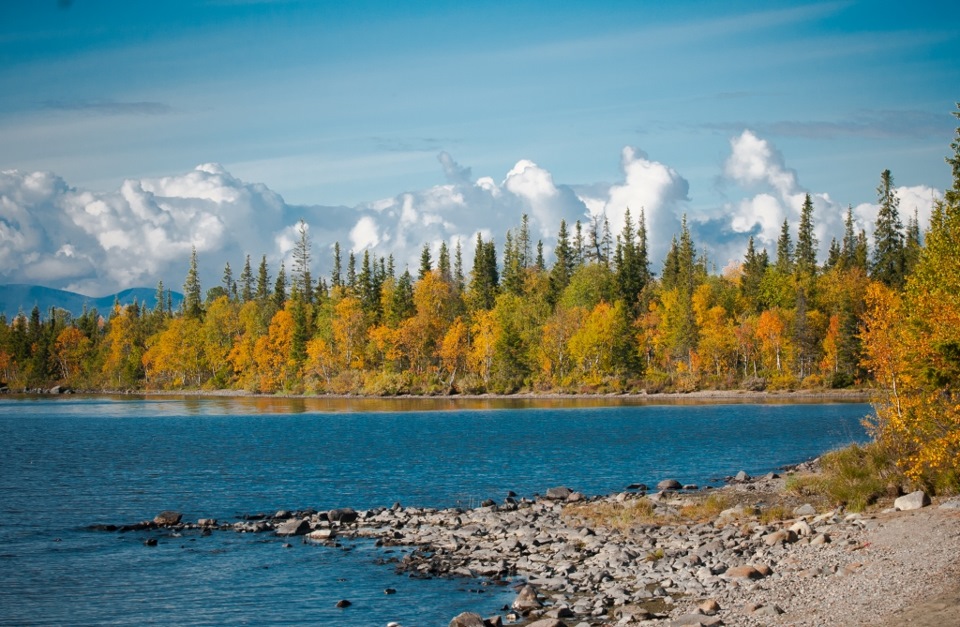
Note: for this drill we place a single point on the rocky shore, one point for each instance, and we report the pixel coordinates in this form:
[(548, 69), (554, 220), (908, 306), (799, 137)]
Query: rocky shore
[(750, 553)]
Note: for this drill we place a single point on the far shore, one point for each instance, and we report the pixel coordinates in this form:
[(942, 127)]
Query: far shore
[(700, 396)]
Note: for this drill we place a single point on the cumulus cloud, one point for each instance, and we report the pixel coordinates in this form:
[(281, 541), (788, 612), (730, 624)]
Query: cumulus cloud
[(99, 242)]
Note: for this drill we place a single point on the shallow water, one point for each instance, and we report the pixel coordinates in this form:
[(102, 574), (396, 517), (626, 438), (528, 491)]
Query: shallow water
[(71, 462)]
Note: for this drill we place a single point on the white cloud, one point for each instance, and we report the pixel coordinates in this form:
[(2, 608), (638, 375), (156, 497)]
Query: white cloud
[(143, 232)]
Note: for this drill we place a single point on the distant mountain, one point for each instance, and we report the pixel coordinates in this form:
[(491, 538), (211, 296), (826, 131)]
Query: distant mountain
[(15, 298)]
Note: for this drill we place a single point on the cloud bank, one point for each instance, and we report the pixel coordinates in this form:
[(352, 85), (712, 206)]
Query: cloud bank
[(99, 242)]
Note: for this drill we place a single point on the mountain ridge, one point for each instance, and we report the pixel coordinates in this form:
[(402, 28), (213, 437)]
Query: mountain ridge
[(18, 298)]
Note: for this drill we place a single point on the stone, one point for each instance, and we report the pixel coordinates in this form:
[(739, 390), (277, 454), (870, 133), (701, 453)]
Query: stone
[(743, 572), (638, 486), (467, 619), (914, 500), (782, 536), (558, 494), (150, 542), (801, 528), (548, 622), (323, 534), (343, 603), (527, 600), (207, 522), (293, 527), (342, 515), (767, 611), (390, 591), (669, 484), (167, 518), (953, 503), (805, 510), (820, 539), (709, 607), (741, 477), (576, 497)]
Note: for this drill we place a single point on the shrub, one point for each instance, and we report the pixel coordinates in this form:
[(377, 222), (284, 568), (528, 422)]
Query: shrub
[(856, 476)]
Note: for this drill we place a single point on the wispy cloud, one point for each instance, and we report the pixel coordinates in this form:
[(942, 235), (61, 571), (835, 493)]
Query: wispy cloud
[(863, 124), (108, 107)]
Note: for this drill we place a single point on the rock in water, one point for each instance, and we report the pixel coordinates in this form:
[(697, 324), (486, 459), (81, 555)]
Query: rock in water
[(167, 517), (914, 500), (742, 476), (293, 527), (559, 494), (669, 484), (344, 603), (527, 600), (467, 619), (342, 515)]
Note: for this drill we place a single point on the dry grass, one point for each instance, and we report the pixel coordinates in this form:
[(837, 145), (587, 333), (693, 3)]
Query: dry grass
[(707, 509), (775, 513), (622, 516)]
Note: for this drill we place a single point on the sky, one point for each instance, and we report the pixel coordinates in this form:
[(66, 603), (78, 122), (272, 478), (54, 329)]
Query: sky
[(132, 132)]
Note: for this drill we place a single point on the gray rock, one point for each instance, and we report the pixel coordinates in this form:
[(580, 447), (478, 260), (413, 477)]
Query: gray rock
[(805, 510), (692, 620), (669, 484), (342, 515), (547, 622), (742, 476), (467, 619), (953, 503), (167, 517), (559, 494), (527, 600), (914, 500), (293, 527)]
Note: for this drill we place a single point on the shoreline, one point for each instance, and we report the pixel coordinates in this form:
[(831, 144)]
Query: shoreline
[(658, 558), (811, 396)]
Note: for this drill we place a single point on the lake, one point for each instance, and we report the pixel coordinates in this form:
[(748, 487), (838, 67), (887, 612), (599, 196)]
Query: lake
[(70, 462)]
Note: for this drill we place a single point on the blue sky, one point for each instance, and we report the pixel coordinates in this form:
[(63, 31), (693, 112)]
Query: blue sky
[(350, 103)]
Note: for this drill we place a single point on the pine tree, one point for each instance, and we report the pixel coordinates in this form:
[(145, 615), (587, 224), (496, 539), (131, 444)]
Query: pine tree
[(443, 263), (336, 280), (352, 273), (578, 245), (848, 252), (192, 303), (159, 298), (302, 282), (263, 281), (458, 278), (426, 263), (228, 285), (806, 253), (246, 282), (784, 261), (540, 264), (280, 288), (913, 244), (754, 267), (563, 267), (631, 274), (484, 277), (888, 257)]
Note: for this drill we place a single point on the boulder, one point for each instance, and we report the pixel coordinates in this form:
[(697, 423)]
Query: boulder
[(953, 503), (914, 500), (342, 515), (782, 536), (709, 607), (527, 600), (805, 510), (669, 484), (559, 493), (293, 527), (743, 572), (637, 486), (467, 619), (167, 517), (343, 603), (322, 535), (741, 477)]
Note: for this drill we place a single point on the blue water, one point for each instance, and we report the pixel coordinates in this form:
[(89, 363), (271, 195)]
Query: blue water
[(68, 463)]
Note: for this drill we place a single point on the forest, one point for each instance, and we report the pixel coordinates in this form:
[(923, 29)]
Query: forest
[(596, 319)]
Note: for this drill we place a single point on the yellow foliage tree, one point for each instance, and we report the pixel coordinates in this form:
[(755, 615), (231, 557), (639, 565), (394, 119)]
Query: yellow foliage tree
[(486, 333), (72, 350)]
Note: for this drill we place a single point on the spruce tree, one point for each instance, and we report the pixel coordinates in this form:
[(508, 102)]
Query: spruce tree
[(280, 288), (784, 261), (246, 282), (952, 195), (563, 267), (336, 280), (458, 278), (806, 252), (228, 285), (192, 297), (888, 258), (302, 282), (426, 263), (263, 281)]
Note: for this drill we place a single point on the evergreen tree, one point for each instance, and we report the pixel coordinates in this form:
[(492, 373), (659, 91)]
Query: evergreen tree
[(228, 285), (888, 257), (192, 303), (426, 263), (443, 263), (578, 245), (563, 267), (246, 282), (784, 263), (754, 268), (806, 253), (159, 298), (263, 281), (352, 273), (401, 301), (336, 280), (523, 251), (631, 274), (484, 277), (848, 252), (540, 264), (280, 288), (458, 277), (302, 282)]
